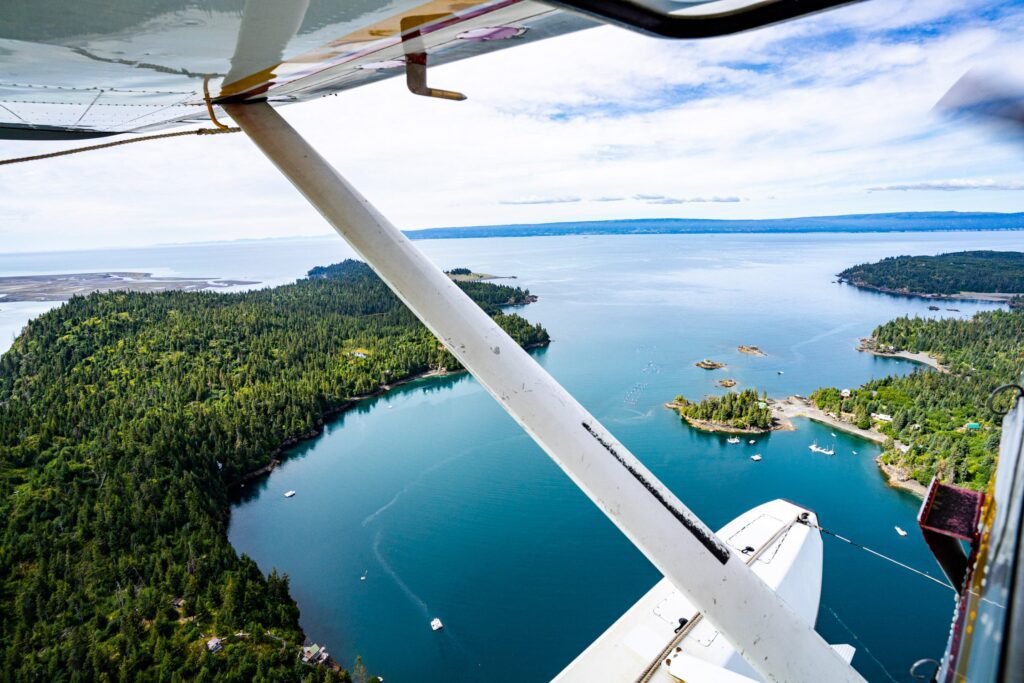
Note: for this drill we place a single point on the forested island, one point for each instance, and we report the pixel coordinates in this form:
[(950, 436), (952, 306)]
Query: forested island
[(963, 274), (938, 423), (126, 417), (742, 412)]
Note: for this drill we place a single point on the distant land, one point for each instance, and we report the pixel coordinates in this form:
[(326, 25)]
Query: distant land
[(923, 221), (987, 275)]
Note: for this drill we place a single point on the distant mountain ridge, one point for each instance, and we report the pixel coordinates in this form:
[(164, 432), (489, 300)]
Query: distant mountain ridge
[(920, 221)]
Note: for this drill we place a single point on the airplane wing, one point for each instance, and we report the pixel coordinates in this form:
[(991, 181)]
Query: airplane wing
[(85, 69), (91, 68)]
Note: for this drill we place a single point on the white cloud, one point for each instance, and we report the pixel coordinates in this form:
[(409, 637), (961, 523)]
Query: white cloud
[(540, 200), (797, 119), (950, 186)]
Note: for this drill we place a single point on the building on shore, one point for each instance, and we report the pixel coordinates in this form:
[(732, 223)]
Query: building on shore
[(314, 654)]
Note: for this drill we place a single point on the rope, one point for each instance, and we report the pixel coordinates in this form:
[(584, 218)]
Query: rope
[(885, 557), (862, 644), (90, 148), (220, 128)]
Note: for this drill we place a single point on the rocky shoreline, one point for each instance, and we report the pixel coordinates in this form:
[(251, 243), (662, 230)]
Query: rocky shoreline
[(999, 297), (715, 427), (898, 477)]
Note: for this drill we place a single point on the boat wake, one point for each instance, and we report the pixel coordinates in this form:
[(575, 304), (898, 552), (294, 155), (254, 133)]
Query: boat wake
[(408, 487), (415, 599)]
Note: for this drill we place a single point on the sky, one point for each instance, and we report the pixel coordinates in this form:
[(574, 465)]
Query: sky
[(831, 114)]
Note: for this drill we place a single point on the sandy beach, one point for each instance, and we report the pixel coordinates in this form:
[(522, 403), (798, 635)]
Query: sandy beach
[(922, 358), (62, 287)]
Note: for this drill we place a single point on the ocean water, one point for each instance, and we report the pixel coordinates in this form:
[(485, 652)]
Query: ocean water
[(449, 510)]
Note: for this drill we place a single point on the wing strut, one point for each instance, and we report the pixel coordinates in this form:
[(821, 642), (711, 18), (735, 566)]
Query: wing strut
[(776, 642)]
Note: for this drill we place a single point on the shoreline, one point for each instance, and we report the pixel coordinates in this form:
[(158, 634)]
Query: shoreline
[(345, 406), (867, 345), (798, 406), (986, 297)]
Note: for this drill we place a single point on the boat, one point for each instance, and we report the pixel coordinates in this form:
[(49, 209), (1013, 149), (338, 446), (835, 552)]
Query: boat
[(900, 531), (363, 577), (751, 442), (436, 624), (733, 439), (855, 452), (780, 372), (289, 494), (821, 449), (756, 457)]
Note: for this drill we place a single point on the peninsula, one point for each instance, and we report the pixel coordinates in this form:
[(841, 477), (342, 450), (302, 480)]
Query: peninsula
[(871, 345), (63, 287), (975, 275), (125, 417)]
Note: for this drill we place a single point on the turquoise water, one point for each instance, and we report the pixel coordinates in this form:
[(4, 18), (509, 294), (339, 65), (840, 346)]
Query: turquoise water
[(451, 511)]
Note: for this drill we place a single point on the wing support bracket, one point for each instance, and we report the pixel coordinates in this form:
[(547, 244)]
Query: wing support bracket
[(416, 60)]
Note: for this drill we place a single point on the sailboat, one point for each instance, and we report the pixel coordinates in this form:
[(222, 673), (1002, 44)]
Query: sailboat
[(821, 449), (733, 439)]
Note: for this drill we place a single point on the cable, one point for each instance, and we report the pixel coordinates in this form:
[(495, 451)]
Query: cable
[(90, 148), (885, 557), (862, 644)]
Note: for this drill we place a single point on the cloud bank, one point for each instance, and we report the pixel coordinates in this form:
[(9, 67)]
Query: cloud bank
[(795, 119)]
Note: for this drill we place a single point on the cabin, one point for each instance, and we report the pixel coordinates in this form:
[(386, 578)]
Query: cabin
[(178, 603), (314, 654), (972, 426), (845, 393), (881, 417), (214, 645)]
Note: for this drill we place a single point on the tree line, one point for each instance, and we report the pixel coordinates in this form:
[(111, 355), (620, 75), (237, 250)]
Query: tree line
[(741, 410), (964, 271), (124, 419)]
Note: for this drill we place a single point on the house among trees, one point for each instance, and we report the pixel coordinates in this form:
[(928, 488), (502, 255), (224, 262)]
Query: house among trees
[(214, 645), (314, 654)]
